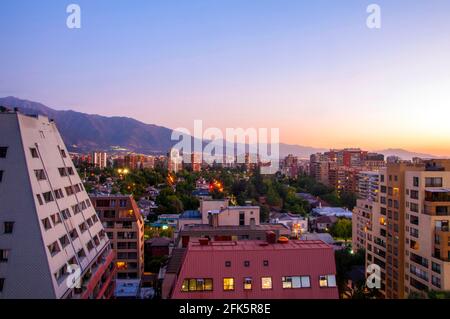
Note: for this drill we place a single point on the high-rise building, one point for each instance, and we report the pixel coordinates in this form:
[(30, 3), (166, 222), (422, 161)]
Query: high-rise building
[(124, 226), (175, 161), (48, 226), (368, 184), (99, 159), (410, 234)]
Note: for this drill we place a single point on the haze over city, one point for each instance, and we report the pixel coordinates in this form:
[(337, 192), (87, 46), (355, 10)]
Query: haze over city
[(312, 69)]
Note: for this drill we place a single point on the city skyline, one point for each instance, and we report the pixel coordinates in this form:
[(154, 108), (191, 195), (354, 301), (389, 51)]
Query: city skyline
[(313, 70)]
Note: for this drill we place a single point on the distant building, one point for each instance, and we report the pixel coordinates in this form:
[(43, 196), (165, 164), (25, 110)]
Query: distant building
[(175, 161), (295, 223), (47, 222), (99, 159), (331, 211), (124, 224), (157, 247), (253, 270)]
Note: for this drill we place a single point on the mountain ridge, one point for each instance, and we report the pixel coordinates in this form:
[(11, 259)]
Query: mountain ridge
[(84, 132)]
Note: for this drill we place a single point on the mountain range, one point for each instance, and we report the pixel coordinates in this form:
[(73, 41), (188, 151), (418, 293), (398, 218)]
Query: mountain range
[(90, 132)]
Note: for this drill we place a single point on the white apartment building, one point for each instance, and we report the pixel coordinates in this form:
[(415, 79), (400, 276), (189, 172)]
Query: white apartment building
[(47, 222), (99, 159)]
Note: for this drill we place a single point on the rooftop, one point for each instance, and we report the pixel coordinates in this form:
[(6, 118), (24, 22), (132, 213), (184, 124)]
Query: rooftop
[(257, 245)]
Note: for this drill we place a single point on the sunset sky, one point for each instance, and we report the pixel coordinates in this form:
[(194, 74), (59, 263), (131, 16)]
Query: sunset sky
[(310, 68)]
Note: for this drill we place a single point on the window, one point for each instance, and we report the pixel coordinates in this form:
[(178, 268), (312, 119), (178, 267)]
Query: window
[(65, 214), (94, 218), (46, 223), (81, 253), (76, 209), (39, 198), (2, 284), (59, 194), (1, 176), (54, 248), (62, 171), (64, 240), (200, 284), (246, 263), (266, 283), (61, 273), (265, 263), (123, 203), (248, 283), (241, 218), (433, 182), (327, 281), (56, 219), (416, 181), (228, 284), (83, 227), (40, 174), (8, 227), (4, 255), (77, 188), (436, 267), (3, 151), (296, 282), (414, 194), (48, 197), (34, 153), (70, 170), (227, 263), (63, 153), (90, 246), (69, 190)]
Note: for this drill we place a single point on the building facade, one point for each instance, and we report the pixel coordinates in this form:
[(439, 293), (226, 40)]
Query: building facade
[(124, 225), (48, 225)]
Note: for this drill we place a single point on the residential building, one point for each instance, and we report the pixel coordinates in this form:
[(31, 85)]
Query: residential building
[(99, 159), (253, 269), (409, 236), (48, 226), (124, 225), (368, 184)]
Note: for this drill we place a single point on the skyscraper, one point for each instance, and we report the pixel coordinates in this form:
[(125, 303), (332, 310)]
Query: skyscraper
[(48, 227)]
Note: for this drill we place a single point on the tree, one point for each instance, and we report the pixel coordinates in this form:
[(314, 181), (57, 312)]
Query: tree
[(342, 229)]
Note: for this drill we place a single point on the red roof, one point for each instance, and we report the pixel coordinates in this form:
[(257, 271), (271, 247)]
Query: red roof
[(295, 258)]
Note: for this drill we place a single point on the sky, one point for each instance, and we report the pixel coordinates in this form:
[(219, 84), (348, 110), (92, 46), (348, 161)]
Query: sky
[(311, 68)]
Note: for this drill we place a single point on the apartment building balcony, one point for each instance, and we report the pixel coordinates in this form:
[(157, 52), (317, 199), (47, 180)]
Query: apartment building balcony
[(97, 281), (437, 202), (441, 243)]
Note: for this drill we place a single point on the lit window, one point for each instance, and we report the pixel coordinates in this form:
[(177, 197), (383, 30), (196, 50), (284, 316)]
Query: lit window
[(247, 283), (266, 282), (228, 284), (327, 281), (296, 282)]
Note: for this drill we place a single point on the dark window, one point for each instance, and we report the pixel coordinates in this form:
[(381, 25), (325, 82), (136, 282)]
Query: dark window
[(70, 171), (4, 255), (64, 240), (416, 181), (46, 224), (34, 153), (62, 171), (266, 263), (1, 176), (9, 226), (48, 197), (40, 174), (39, 198), (3, 151), (2, 284), (246, 263), (241, 218), (228, 263), (63, 153)]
